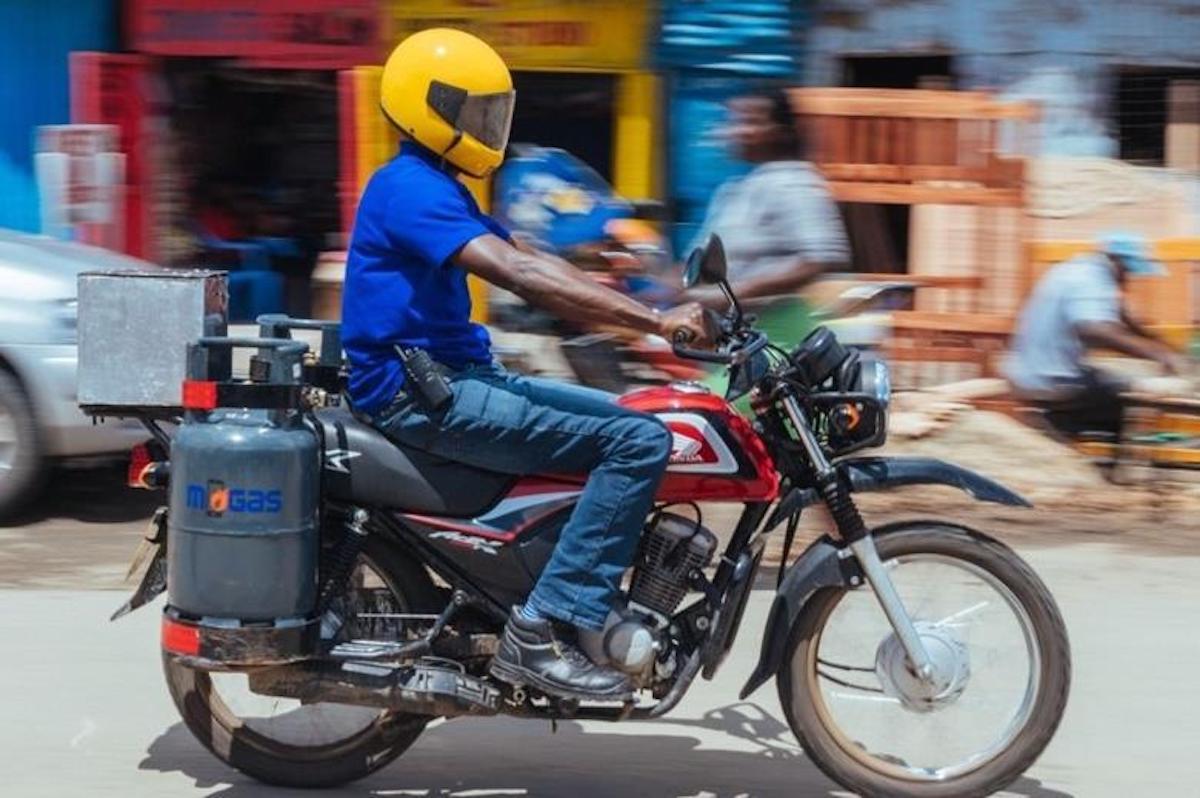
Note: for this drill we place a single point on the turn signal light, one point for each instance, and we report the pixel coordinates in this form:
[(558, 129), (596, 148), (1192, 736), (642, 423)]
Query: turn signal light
[(846, 417)]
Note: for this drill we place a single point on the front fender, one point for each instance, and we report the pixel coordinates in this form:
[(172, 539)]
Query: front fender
[(823, 564), (862, 474), (827, 564)]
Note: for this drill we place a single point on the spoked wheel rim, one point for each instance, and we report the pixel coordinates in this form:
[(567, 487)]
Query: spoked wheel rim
[(976, 713), (287, 725)]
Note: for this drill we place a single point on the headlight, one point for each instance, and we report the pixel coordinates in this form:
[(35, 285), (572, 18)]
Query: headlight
[(874, 378), (883, 382)]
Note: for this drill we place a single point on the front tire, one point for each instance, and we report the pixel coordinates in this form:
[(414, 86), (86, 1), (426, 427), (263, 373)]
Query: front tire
[(848, 761), (234, 741)]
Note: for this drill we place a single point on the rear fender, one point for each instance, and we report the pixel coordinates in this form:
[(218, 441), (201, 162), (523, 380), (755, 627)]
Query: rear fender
[(824, 564)]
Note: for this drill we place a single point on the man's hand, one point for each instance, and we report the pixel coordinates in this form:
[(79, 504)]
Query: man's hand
[(689, 318), (1175, 363)]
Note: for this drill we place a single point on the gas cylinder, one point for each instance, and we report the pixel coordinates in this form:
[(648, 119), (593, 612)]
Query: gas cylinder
[(243, 529)]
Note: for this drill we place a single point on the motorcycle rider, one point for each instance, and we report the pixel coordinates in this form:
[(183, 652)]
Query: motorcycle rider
[(1075, 306), (417, 235), (780, 225)]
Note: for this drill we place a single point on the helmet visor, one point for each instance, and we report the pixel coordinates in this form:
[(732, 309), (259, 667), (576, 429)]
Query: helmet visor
[(486, 117)]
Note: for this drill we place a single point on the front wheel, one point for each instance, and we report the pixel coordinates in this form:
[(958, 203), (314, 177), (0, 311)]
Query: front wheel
[(1000, 683)]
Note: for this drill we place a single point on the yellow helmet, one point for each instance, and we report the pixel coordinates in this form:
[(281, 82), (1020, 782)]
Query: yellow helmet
[(453, 94)]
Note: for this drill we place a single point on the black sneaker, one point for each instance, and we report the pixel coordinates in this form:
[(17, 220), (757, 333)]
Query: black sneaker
[(533, 653)]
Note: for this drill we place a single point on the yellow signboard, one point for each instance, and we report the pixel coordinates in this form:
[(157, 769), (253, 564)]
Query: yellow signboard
[(539, 34)]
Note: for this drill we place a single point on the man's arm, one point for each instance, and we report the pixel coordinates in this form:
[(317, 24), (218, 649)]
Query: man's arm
[(804, 222), (1118, 337), (1138, 328), (555, 285), (1174, 361)]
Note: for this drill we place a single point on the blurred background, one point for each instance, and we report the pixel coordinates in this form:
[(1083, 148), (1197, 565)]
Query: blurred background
[(966, 147)]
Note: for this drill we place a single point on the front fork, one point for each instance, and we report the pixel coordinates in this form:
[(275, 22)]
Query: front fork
[(853, 530)]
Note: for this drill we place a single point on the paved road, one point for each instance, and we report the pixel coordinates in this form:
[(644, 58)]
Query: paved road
[(83, 711)]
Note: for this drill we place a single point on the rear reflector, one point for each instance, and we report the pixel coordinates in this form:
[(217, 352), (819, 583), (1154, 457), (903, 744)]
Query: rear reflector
[(178, 638), (139, 461), (199, 395)]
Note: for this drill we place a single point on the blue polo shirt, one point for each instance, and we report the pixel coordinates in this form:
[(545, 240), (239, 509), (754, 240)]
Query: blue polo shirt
[(401, 284)]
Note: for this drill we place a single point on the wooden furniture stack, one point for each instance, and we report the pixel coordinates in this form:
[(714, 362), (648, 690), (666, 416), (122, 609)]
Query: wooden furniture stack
[(920, 147)]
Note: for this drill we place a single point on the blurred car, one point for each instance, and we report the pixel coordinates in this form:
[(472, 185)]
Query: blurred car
[(39, 420)]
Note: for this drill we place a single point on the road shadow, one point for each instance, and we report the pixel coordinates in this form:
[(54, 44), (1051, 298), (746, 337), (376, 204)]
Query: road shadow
[(95, 494), (508, 757)]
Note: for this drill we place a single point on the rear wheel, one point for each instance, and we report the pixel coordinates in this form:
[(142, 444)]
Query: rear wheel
[(281, 741), (22, 464), (1002, 671)]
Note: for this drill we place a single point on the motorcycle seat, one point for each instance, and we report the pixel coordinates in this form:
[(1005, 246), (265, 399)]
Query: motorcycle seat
[(364, 467)]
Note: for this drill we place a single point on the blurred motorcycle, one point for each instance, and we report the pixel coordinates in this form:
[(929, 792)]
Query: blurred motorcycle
[(555, 202)]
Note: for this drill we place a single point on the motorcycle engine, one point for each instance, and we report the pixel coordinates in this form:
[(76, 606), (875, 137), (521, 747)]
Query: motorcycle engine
[(671, 548)]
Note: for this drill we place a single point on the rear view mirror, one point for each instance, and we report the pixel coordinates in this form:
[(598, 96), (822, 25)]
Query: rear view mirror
[(706, 262)]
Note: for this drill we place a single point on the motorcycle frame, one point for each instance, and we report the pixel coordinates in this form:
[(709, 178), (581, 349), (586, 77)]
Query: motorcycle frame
[(833, 561)]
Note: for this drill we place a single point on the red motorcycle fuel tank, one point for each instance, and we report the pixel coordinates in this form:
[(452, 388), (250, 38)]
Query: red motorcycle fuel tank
[(715, 454)]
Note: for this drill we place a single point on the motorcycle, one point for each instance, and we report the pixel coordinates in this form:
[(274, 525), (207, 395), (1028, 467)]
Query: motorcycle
[(917, 659)]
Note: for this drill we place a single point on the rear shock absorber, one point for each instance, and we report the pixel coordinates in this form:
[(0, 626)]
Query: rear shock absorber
[(345, 555)]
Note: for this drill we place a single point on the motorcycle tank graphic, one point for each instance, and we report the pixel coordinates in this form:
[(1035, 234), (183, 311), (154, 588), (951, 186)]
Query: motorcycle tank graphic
[(715, 454)]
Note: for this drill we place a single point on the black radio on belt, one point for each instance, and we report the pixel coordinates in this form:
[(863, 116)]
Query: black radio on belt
[(423, 380)]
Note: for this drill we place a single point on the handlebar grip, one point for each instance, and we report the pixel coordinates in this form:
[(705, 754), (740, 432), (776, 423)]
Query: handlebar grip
[(707, 355)]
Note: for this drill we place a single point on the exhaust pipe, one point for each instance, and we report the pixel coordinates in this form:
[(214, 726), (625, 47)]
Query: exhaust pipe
[(420, 689)]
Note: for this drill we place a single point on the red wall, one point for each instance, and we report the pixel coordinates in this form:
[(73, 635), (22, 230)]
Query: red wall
[(112, 89), (307, 34)]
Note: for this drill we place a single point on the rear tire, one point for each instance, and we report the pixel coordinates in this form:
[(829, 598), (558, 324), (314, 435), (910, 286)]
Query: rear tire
[(273, 762), (804, 711), (22, 463)]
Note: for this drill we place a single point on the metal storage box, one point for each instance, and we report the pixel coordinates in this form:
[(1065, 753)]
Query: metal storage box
[(134, 329)]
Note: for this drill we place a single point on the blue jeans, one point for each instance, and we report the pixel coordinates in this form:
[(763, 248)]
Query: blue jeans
[(520, 425)]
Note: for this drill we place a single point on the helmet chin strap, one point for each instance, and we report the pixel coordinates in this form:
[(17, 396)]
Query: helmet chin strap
[(458, 134)]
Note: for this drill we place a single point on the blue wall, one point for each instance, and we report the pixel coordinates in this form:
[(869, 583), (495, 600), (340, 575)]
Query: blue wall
[(711, 50), (35, 38)]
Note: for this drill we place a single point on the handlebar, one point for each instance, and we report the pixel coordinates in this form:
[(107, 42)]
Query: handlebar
[(755, 344), (679, 346)]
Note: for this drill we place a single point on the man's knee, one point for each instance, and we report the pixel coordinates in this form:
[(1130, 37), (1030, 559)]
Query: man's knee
[(645, 441)]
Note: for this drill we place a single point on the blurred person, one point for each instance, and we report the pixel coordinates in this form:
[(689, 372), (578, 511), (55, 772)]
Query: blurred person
[(417, 235), (1077, 306), (780, 225)]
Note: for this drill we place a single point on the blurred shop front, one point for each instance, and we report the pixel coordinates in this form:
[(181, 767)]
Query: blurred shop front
[(228, 115), (582, 75), (709, 52), (583, 79), (35, 38)]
